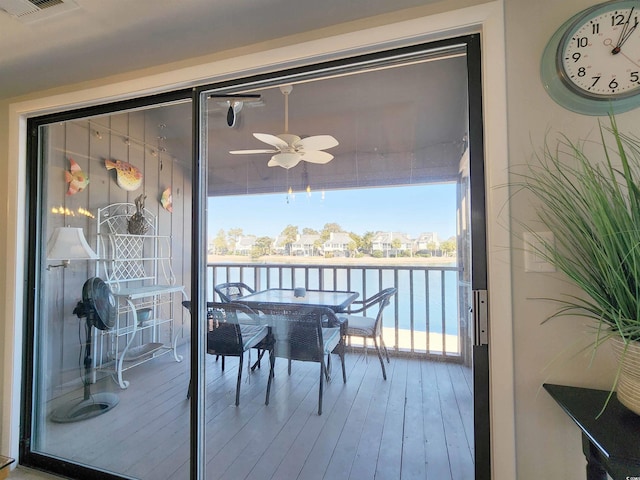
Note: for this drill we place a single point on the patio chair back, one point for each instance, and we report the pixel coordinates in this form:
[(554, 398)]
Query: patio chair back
[(370, 327), (228, 335), (229, 292), (380, 300), (306, 334)]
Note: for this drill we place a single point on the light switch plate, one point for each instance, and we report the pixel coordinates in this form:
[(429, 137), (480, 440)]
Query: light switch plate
[(533, 261)]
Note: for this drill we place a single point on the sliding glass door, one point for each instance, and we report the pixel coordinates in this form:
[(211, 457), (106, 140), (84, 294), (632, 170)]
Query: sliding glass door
[(352, 176), (348, 176), (110, 220)]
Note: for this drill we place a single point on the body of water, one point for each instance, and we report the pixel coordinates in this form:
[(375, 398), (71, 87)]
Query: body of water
[(424, 291)]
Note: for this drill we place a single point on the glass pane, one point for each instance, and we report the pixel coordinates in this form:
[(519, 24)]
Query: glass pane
[(342, 183), (111, 333)]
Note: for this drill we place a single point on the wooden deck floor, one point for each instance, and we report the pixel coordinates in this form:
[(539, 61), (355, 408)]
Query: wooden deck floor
[(418, 424)]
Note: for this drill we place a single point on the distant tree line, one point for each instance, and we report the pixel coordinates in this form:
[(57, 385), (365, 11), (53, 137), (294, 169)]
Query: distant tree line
[(231, 242)]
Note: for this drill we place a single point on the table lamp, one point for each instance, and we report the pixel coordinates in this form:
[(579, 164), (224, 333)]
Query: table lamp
[(66, 244)]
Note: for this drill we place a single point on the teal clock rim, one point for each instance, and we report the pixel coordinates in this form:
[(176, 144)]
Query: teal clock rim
[(551, 76)]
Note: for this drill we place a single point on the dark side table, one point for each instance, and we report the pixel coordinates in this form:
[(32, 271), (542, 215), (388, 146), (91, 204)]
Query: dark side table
[(4, 466), (611, 443)]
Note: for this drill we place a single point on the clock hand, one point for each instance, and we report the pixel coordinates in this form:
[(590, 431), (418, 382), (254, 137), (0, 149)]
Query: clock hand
[(628, 34), (623, 33), (607, 42), (625, 56), (624, 27)]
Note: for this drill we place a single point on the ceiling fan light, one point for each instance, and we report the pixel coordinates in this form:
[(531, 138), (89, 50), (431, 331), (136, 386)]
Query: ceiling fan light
[(285, 160)]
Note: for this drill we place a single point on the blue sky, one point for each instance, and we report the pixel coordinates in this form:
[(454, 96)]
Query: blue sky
[(413, 209)]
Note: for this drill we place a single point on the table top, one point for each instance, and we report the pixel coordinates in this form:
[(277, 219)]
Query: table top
[(616, 433), (337, 301)]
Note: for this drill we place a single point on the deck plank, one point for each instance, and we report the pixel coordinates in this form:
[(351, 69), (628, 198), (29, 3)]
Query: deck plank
[(389, 464), (278, 426), (435, 438), (464, 401), (368, 450), (416, 424), (306, 441), (460, 459), (342, 459), (414, 453), (320, 455)]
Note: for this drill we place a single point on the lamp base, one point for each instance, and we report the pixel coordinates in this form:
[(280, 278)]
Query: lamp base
[(84, 409)]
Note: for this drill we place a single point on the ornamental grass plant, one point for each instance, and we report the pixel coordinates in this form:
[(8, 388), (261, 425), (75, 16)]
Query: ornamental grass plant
[(591, 204)]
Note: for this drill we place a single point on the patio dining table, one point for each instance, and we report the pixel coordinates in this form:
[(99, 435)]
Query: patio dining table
[(338, 301)]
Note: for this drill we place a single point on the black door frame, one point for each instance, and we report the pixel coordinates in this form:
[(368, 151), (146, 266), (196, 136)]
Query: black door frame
[(480, 353), (481, 397), (33, 196), (478, 222)]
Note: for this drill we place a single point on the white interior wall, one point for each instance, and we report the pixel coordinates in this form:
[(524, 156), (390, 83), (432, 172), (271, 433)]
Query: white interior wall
[(546, 442)]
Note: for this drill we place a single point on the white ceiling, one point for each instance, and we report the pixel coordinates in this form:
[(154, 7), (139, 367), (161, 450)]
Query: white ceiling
[(404, 128), (107, 37), (395, 126)]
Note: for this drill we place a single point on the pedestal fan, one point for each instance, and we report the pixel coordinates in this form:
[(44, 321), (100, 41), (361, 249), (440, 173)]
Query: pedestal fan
[(98, 306)]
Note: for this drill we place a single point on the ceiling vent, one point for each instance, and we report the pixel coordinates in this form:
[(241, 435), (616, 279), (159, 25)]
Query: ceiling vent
[(28, 11)]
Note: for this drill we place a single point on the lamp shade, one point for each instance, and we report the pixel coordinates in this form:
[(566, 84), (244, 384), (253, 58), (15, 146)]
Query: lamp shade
[(68, 243)]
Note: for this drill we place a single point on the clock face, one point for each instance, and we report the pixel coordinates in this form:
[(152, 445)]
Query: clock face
[(591, 64), (599, 56)]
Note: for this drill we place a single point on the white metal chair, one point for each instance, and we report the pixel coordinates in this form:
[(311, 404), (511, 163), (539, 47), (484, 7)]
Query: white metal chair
[(370, 327)]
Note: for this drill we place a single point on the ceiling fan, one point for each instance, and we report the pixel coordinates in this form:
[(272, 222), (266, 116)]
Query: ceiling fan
[(289, 149)]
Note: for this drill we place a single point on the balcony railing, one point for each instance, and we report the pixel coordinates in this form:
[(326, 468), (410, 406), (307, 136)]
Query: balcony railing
[(427, 317)]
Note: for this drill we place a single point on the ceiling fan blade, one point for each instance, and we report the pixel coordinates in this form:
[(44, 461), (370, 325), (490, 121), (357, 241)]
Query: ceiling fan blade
[(241, 152), (285, 160), (316, 142), (271, 140), (316, 156)]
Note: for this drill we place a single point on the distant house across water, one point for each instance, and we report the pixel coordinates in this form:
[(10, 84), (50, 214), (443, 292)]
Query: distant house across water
[(341, 244), (427, 241), (337, 244), (390, 243), (305, 245), (244, 245)]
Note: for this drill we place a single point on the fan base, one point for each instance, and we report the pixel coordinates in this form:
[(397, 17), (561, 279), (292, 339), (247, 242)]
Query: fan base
[(84, 409)]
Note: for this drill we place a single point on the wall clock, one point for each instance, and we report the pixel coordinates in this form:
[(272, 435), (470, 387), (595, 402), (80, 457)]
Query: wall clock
[(591, 64)]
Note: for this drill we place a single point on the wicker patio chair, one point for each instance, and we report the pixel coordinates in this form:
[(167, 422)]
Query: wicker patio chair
[(228, 336), (306, 334), (229, 292)]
